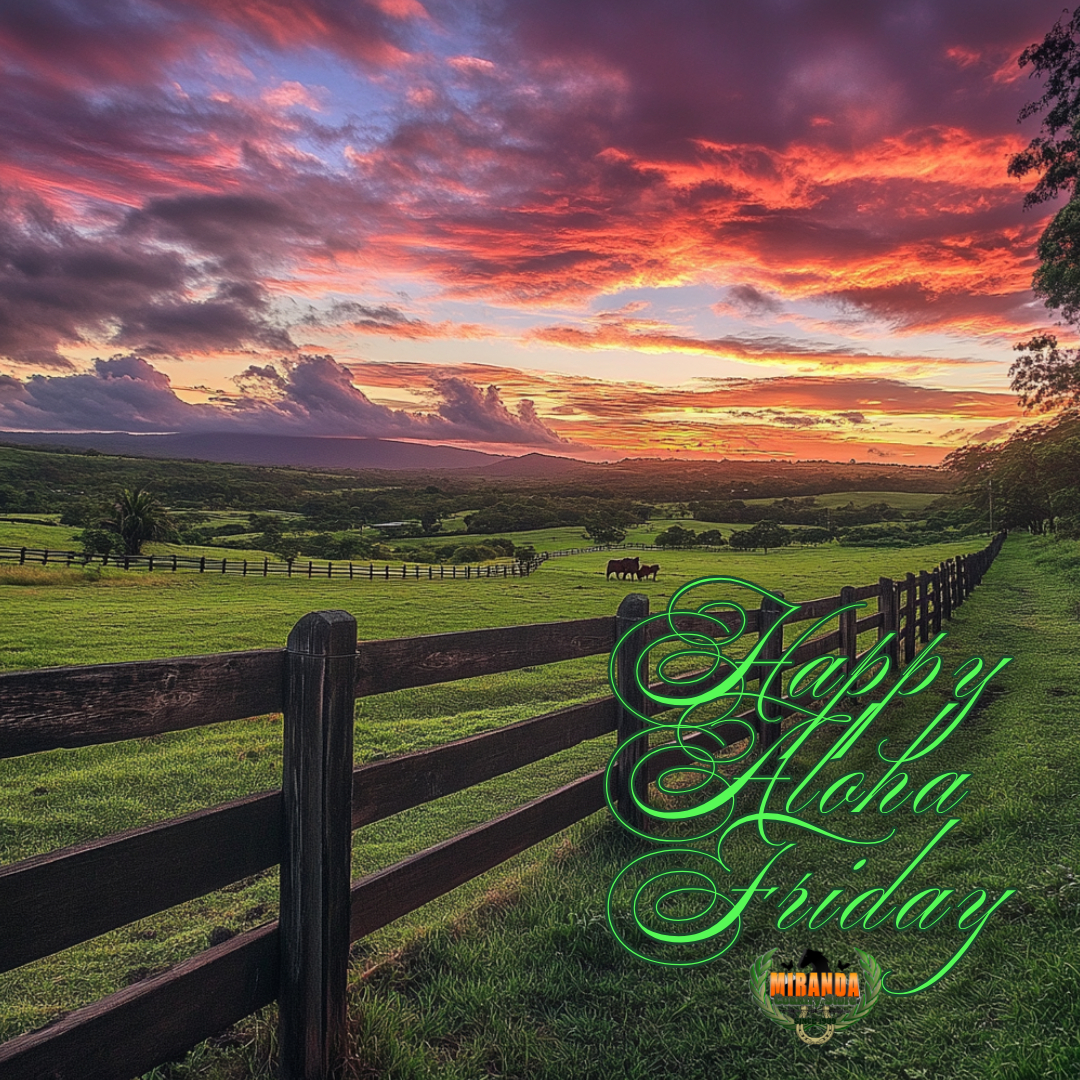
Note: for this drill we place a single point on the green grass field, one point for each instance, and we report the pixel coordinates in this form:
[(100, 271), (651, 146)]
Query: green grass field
[(433, 1011), (902, 500), (534, 985)]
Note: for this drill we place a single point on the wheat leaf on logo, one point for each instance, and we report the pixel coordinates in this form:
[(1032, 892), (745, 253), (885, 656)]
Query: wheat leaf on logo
[(759, 976), (871, 971)]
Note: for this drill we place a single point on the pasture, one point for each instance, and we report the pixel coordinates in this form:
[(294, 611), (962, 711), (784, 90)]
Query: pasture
[(432, 1004), (902, 500)]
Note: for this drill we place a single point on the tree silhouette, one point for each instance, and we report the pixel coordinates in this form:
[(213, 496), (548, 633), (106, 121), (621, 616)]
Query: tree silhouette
[(1046, 377)]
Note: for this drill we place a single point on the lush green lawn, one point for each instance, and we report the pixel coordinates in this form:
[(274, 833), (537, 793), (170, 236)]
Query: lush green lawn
[(62, 538), (50, 537), (127, 616), (50, 800), (532, 984)]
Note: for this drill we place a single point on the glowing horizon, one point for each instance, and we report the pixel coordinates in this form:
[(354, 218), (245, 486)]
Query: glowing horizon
[(571, 228)]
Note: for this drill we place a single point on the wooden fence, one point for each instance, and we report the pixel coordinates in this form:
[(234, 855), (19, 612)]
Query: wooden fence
[(54, 901), (267, 567), (631, 547)]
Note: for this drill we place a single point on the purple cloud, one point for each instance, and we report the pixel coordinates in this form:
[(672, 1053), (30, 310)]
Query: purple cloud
[(312, 396)]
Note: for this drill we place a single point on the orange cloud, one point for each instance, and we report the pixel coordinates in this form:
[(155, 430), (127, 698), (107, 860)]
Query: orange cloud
[(771, 349), (791, 417)]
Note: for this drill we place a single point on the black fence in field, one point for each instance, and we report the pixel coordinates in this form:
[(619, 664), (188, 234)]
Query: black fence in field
[(300, 568)]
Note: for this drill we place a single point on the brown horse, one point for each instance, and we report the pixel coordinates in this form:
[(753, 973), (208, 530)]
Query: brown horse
[(648, 571), (622, 567)]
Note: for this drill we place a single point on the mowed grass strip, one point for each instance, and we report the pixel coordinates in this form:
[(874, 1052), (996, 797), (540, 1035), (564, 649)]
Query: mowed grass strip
[(64, 797)]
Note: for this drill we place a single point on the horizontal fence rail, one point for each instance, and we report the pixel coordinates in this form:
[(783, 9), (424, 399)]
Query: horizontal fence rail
[(65, 897)]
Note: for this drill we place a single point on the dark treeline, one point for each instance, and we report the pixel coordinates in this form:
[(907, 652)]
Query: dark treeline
[(324, 513), (1031, 481), (796, 512), (521, 512), (43, 480)]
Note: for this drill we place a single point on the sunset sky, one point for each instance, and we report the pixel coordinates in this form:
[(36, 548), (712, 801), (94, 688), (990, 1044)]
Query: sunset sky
[(764, 228)]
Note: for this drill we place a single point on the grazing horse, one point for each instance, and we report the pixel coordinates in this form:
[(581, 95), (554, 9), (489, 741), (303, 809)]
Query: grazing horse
[(622, 567), (648, 571)]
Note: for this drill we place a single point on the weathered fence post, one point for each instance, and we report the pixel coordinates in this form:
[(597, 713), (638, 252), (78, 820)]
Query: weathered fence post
[(946, 589), (773, 649), (848, 635), (909, 619), (633, 609), (317, 844), (888, 605), (924, 606), (936, 580)]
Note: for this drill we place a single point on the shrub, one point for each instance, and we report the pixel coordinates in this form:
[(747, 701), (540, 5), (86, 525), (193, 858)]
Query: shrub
[(676, 537), (100, 542), (711, 538), (469, 553)]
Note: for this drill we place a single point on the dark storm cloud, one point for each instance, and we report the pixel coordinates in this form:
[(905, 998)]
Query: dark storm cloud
[(912, 306), (313, 396), (202, 326), (237, 230), (769, 72), (753, 301), (60, 287), (851, 152), (126, 42)]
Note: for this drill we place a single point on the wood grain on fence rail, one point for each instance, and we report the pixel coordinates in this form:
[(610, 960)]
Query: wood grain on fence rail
[(69, 896), (400, 663), (384, 788), (81, 706), (814, 609), (382, 897), (153, 1021)]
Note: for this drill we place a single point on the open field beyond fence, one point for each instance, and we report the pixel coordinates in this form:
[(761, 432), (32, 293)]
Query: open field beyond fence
[(65, 897)]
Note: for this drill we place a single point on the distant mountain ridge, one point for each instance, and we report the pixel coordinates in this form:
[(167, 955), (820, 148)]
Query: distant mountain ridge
[(650, 479), (301, 451), (534, 465)]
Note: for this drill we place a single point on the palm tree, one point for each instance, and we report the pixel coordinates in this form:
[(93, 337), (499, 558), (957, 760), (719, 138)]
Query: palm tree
[(140, 517)]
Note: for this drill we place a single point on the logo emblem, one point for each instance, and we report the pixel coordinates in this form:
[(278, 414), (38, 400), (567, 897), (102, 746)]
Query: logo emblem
[(822, 998)]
